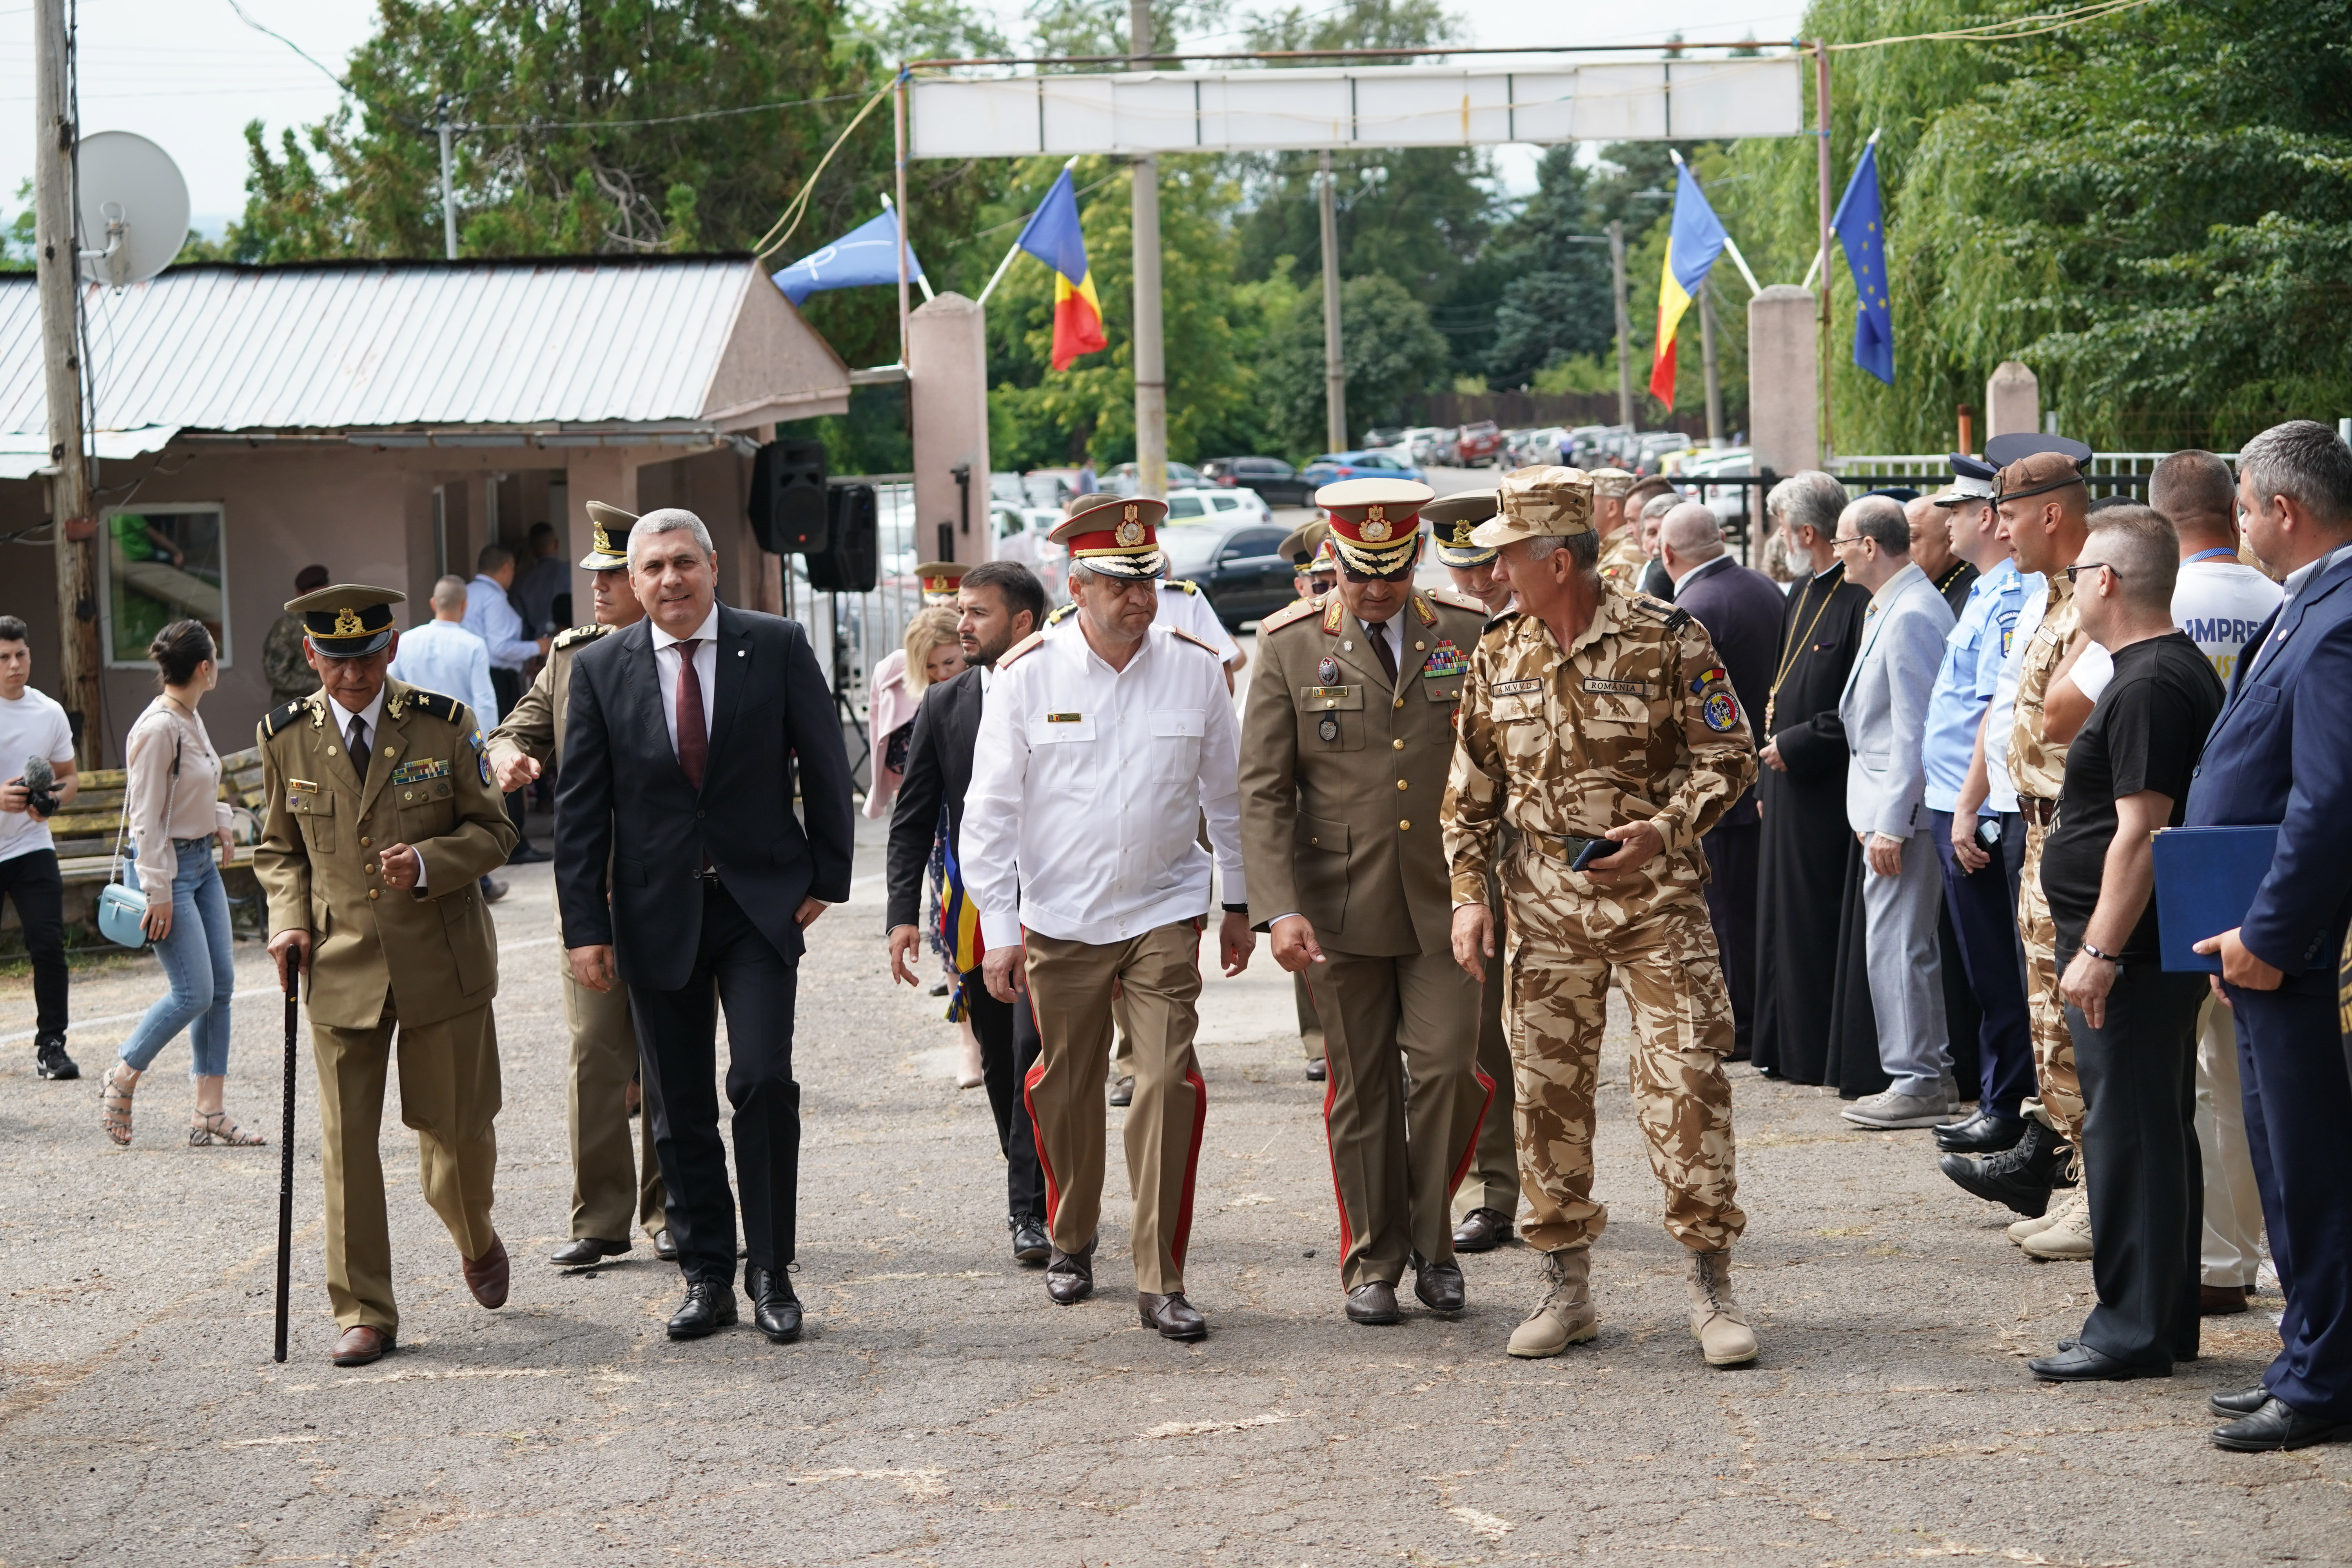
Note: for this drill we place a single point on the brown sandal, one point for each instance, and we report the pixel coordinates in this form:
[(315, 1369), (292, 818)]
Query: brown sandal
[(114, 1108), (212, 1127)]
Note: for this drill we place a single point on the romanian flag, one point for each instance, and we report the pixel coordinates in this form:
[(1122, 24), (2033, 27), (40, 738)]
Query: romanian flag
[(959, 922), (1695, 239), (1053, 238)]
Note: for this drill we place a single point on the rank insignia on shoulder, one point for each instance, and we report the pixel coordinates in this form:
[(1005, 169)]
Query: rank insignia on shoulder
[(1332, 610), (1513, 687), (575, 635), (1720, 711), (1034, 639), (281, 717), (1061, 613), (1295, 611), (1203, 644), (418, 771), (1445, 660), (1421, 607), (1710, 676), (1180, 585)]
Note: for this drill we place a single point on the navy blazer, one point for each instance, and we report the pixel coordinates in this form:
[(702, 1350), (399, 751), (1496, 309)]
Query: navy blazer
[(621, 795), (2282, 753)]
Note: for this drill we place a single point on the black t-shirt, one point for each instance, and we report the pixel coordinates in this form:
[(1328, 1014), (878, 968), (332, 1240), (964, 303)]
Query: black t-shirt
[(2146, 733)]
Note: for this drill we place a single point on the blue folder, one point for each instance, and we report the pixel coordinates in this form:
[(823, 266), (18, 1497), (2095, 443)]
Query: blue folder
[(2205, 883)]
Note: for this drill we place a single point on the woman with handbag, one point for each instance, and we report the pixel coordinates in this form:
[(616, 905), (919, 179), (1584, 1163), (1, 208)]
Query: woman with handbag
[(171, 804)]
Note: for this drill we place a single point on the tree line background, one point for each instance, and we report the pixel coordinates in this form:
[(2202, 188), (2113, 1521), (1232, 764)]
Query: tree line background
[(2154, 212)]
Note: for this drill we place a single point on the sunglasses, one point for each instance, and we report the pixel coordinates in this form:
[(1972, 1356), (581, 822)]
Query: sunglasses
[(2071, 572)]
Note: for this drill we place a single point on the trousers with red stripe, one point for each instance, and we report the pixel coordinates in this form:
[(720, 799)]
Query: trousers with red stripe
[(1159, 975)]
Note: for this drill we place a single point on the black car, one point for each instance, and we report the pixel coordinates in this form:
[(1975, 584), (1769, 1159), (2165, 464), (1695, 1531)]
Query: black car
[(1239, 567), (1275, 482)]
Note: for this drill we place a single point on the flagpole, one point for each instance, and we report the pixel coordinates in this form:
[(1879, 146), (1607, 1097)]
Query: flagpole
[(899, 112), (921, 281), (1014, 250), (1826, 440)]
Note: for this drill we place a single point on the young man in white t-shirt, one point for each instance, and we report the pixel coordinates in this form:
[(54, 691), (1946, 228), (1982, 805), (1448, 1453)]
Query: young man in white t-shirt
[(32, 725)]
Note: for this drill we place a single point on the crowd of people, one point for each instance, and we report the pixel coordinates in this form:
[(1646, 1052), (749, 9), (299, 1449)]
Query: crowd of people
[(1895, 826)]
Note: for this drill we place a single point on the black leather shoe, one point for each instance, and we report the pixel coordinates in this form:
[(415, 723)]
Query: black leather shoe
[(1439, 1285), (710, 1307), (49, 1058), (1482, 1230), (527, 854), (1986, 1132), (1030, 1244), (775, 1311), (1172, 1316), (2245, 1402), (586, 1252), (2080, 1363), (664, 1247), (1123, 1092), (1070, 1276), (2278, 1425), (1371, 1303), (2019, 1177), (1316, 1069)]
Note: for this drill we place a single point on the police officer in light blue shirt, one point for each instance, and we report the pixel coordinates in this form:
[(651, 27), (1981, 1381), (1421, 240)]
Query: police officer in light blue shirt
[(1976, 890)]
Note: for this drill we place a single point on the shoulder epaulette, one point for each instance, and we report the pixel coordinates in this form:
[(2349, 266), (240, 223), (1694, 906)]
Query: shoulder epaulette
[(1032, 640), (1428, 616), (1455, 599), (1290, 614), (434, 702), (1333, 608), (1180, 584), (1216, 652), (1675, 619), (578, 635), (278, 718), (1056, 618), (1505, 619)]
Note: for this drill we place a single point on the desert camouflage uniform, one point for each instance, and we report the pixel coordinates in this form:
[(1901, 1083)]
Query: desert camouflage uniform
[(1637, 721), (2037, 770), (1623, 559)]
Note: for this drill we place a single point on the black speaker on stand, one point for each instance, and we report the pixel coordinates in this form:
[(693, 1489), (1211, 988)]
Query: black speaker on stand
[(790, 515), (849, 563)]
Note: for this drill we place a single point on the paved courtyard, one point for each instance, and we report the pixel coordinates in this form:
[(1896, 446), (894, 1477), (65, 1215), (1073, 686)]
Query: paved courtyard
[(940, 1410)]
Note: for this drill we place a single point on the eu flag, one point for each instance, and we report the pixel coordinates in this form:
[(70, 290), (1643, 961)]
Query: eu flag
[(1861, 224)]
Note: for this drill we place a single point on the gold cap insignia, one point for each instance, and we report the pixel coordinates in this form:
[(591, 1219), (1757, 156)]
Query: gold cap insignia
[(605, 543), (1131, 531), (347, 624), (1376, 523), (1130, 513)]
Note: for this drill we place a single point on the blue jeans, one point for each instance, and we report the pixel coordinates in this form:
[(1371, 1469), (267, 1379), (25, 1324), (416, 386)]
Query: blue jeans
[(195, 959)]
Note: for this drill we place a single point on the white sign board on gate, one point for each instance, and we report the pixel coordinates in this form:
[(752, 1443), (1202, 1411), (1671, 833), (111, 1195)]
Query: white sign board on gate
[(1371, 106)]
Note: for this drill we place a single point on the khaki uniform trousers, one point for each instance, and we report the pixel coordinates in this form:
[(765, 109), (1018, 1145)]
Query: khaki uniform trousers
[(1564, 947), (1402, 1105), (1311, 1043), (1492, 1181), (2231, 1250), (1158, 974), (609, 1179), (449, 1093), (2054, 1047)]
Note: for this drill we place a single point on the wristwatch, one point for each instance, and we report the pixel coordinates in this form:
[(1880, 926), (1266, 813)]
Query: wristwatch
[(2102, 957)]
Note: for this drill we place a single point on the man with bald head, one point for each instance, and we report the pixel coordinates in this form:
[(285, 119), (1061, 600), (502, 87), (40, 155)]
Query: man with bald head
[(1932, 552)]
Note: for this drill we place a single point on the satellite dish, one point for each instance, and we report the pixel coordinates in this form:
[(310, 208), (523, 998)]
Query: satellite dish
[(135, 208)]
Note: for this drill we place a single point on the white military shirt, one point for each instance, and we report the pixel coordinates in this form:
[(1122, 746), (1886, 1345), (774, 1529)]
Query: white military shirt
[(1088, 788)]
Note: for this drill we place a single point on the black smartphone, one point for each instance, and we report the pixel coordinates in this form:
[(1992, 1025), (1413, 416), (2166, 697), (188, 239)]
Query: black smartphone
[(1592, 849)]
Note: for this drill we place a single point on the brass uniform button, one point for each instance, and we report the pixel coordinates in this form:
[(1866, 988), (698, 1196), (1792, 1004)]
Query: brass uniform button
[(363, 842), (1398, 744), (375, 892), (1421, 648), (1400, 703), (1401, 784), (330, 751), (1405, 827)]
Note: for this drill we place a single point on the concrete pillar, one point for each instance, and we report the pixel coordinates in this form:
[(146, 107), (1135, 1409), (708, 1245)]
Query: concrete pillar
[(608, 474), (2012, 401), (1783, 392), (947, 387)]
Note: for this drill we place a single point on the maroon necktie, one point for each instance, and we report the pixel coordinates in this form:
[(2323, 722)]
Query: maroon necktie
[(693, 738)]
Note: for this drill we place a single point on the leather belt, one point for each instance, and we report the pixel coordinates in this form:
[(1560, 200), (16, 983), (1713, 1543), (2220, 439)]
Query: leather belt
[(2037, 811)]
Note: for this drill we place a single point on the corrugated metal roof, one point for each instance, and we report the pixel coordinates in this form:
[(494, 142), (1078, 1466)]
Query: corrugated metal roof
[(364, 345)]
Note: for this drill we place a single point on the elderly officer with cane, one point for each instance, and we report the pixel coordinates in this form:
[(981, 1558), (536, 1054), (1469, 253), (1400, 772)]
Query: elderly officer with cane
[(380, 817)]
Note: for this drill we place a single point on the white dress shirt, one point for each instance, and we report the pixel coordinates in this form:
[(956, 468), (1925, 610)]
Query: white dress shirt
[(667, 661), (1087, 787), (372, 715)]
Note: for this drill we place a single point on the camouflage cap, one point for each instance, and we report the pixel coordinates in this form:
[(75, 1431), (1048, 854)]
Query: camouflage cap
[(1453, 519), (1610, 483), (606, 521), (1540, 502)]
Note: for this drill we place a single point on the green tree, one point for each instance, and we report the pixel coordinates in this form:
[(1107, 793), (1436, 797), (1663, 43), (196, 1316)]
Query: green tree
[(1393, 356)]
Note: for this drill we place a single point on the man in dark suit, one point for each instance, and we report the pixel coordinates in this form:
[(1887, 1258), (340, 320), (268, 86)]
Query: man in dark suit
[(999, 603), (1740, 608), (684, 733), (2281, 752)]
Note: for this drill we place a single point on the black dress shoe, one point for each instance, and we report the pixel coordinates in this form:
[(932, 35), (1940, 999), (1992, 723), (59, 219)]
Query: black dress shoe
[(1030, 1244), (2245, 1402), (1373, 1303), (710, 1307), (1987, 1132), (1172, 1316), (1070, 1276), (2019, 1177), (1439, 1285), (665, 1246), (586, 1252), (2278, 1425), (527, 854), (1482, 1230), (775, 1311), (2080, 1363), (1123, 1092), (1318, 1069)]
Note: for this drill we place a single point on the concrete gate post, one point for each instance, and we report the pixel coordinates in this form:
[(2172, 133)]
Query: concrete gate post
[(2012, 401), (1783, 386), (947, 389)]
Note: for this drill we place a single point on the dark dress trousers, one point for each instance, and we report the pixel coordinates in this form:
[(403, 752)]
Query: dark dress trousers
[(1809, 858), (691, 941), (2282, 753), (1740, 608), (938, 773)]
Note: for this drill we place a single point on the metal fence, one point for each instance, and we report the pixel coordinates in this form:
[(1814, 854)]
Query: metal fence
[(852, 633)]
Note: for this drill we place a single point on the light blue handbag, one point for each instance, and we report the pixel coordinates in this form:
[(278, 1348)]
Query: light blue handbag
[(122, 909)]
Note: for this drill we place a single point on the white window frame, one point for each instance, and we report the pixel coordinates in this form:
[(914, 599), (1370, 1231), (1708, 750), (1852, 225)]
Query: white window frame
[(227, 659)]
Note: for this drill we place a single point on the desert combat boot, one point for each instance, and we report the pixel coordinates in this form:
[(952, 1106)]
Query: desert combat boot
[(1566, 1316), (1717, 1323)]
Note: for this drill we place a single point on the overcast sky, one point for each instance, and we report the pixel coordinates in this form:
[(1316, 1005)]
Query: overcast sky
[(188, 75)]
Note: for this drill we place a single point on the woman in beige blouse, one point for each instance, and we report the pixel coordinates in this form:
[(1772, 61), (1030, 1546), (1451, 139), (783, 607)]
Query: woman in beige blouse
[(173, 802)]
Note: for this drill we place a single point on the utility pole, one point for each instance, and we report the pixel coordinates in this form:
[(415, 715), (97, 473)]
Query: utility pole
[(1624, 327), (1821, 119), (1334, 363), (1150, 352), (57, 249), (1707, 350), (448, 195)]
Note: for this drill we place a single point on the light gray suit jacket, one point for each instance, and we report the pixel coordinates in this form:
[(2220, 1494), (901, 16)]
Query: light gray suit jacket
[(1884, 706)]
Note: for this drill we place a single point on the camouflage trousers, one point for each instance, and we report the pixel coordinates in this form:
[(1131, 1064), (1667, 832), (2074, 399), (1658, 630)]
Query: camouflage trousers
[(1562, 949), (2054, 1047)]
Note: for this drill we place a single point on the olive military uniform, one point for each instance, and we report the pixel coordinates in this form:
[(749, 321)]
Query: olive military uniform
[(608, 1179), (1343, 767), (422, 961)]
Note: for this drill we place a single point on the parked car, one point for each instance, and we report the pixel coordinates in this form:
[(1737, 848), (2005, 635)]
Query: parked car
[(1385, 436), (1591, 446), (1120, 481), (1427, 444), (1332, 466), (1239, 565), (1271, 478), (1726, 501), (1652, 447), (1477, 445), (1050, 487), (1218, 505), (1546, 443)]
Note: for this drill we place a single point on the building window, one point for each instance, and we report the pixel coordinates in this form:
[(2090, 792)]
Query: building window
[(162, 564)]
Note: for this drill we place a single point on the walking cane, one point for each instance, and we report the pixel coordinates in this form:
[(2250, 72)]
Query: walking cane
[(292, 974)]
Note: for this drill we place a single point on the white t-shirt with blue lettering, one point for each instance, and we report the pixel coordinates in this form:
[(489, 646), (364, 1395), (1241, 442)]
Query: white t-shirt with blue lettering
[(2220, 603)]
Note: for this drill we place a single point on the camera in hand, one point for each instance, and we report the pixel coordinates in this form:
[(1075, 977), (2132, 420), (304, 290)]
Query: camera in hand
[(40, 787)]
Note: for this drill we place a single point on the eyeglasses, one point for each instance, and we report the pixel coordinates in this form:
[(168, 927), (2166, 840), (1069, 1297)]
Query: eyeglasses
[(1844, 539), (2087, 566)]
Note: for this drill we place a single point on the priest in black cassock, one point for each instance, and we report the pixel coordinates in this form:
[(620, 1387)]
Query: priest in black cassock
[(1809, 856)]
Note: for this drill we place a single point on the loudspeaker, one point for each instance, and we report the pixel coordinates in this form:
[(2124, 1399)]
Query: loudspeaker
[(848, 565), (788, 499)]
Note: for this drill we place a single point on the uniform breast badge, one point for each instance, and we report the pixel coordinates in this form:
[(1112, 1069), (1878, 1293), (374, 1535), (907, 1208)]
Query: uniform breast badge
[(1445, 660), (1326, 671), (1328, 729)]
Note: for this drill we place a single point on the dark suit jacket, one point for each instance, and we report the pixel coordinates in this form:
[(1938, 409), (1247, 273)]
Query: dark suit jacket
[(621, 795), (939, 772), (1740, 608), (2282, 753), (1820, 651)]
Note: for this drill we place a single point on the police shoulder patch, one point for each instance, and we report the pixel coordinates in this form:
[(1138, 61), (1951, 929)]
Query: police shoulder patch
[(1005, 659), (1290, 614), (1203, 644), (278, 718), (574, 637)]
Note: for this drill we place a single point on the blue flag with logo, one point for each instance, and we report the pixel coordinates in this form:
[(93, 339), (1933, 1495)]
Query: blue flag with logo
[(862, 256), (1861, 224)]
